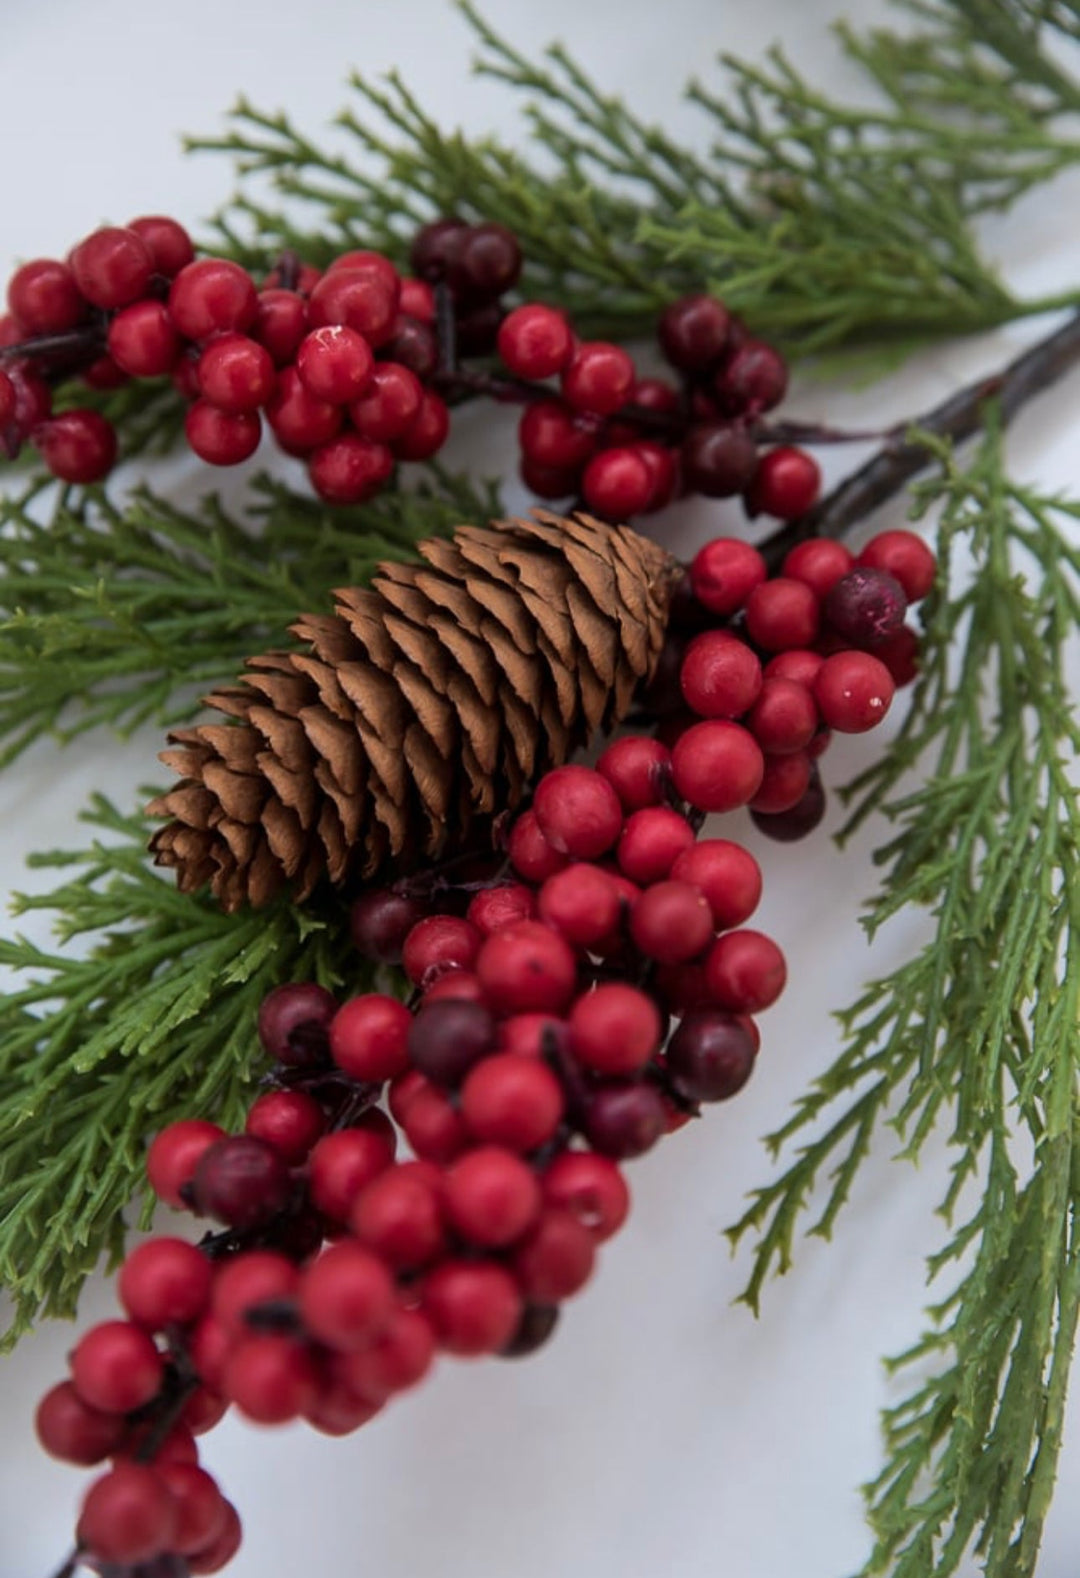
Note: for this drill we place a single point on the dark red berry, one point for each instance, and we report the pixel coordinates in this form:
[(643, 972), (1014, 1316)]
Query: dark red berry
[(786, 483), (7, 400), (222, 438), (242, 1182), (294, 1021), (853, 691), (486, 263), (33, 397), (112, 267), (446, 1038), (369, 1037), (77, 446), (143, 341), (427, 432), (349, 469), (535, 341), (554, 437), (379, 922), (236, 373), (167, 242), (212, 296), (598, 378), (221, 1551), (718, 460), (556, 1259), (753, 380), (663, 470), (693, 332), (44, 298), (128, 1516), (622, 1121), (413, 344), (710, 1056), (900, 655), (200, 1507), (866, 607), (783, 784), (436, 248)]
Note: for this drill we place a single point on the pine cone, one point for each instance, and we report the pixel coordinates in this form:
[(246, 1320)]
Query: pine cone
[(426, 704)]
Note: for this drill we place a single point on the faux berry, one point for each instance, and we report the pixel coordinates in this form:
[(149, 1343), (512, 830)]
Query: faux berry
[(77, 446), (784, 782), (746, 971), (718, 460), (728, 876), (271, 1379), (591, 1187), (346, 1297), (637, 767), (221, 1551), (615, 1029), (436, 247), (512, 1101), (349, 469), (70, 1429), (820, 562), (355, 298), (167, 242), (174, 1155), (724, 573), (784, 718), (445, 1039), (622, 1121), (142, 340), (112, 267), (259, 1276), (904, 556), (578, 812), (720, 675), (289, 1120), (280, 324), (754, 380), (486, 264), (165, 1282), (300, 422), (493, 908), (900, 655), (663, 470), (491, 1197), (427, 432), (7, 400), (379, 922), (786, 483), (437, 944), (397, 1359), (434, 1127), (598, 378), (474, 1307), (418, 300), (341, 1166), (236, 373), (369, 1037), (651, 841), (671, 922), (222, 438), (581, 904), (294, 1023), (399, 1217), (717, 766), (198, 1503), (535, 341), (556, 1259), (545, 481), (128, 1516), (390, 403), (212, 296), (115, 1367), (527, 968), (373, 264), (529, 852), (553, 436), (533, 1035), (710, 1056), (866, 607), (535, 1328), (44, 297), (853, 691), (782, 613), (33, 397), (461, 985), (693, 332), (617, 483), (241, 1182)]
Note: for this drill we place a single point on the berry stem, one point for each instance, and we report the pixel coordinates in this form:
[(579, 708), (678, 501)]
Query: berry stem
[(84, 344), (901, 457)]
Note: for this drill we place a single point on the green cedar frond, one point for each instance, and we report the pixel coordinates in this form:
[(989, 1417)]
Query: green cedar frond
[(122, 613), (97, 1053), (823, 224), (980, 1028)]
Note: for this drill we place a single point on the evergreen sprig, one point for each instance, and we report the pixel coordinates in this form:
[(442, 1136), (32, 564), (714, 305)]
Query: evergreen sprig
[(153, 1022), (119, 613), (825, 225), (979, 1028)]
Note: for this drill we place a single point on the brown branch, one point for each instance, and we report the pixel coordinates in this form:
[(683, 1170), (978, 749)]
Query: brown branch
[(901, 457)]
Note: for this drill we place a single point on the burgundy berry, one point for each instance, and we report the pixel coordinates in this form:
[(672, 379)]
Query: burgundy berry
[(143, 341), (718, 460), (556, 1259), (293, 1024), (212, 296), (535, 341), (753, 380), (174, 1155), (379, 922), (546, 482), (866, 607), (241, 1182), (237, 374), (725, 572), (622, 1121), (390, 403), (44, 297), (349, 469), (112, 267), (77, 446), (200, 1506), (786, 483), (222, 438), (8, 400), (168, 243), (413, 344), (598, 378), (617, 483), (693, 332), (904, 555), (446, 1038), (784, 782), (478, 330), (535, 1328), (436, 248), (485, 265), (710, 1056), (900, 655)]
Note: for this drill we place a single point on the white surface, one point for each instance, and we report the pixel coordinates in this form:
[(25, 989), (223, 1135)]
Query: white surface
[(664, 1431)]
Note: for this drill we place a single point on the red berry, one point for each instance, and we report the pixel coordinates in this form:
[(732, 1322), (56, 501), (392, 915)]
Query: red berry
[(753, 380), (637, 768), (349, 469), (289, 1120), (222, 1550), (203, 1410), (784, 718), (342, 1164), (591, 1188), (128, 1516), (728, 876), (44, 298), (369, 1037), (617, 483), (398, 1216), (512, 1101), (527, 968), (615, 1029), (427, 433), (784, 782), (693, 332), (280, 324), (491, 1196), (535, 341), (532, 1035), (112, 267), (819, 562), (433, 1126), (547, 483), (900, 655), (390, 403), (257, 1276), (786, 483), (493, 908), (598, 378), (212, 296), (418, 300), (622, 1121), (578, 811), (200, 1506), (663, 472), (165, 1282), (655, 394), (904, 556), (299, 421), (724, 573), (474, 1307), (437, 944), (710, 1056), (671, 922), (105, 374), (167, 242), (556, 1260), (142, 340), (720, 676), (357, 299), (346, 1297), (271, 1379), (7, 400), (553, 436), (241, 1182), (781, 614), (796, 664), (651, 841), (718, 459), (174, 1155), (222, 438), (397, 1359), (115, 1367), (581, 904), (71, 1430), (237, 373), (717, 766), (77, 446), (853, 691), (335, 363), (461, 985), (530, 854), (746, 971)]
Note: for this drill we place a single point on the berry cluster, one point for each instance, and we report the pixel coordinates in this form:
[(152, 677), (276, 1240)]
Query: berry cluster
[(353, 369)]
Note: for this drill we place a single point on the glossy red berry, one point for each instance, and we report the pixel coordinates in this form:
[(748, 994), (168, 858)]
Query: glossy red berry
[(617, 483), (905, 556), (853, 691), (427, 432), (535, 341), (710, 1056), (418, 300), (717, 766), (615, 1029), (728, 876), (212, 296), (280, 324), (70, 1429), (820, 562), (527, 968), (786, 483), (671, 922), (724, 573), (143, 341), (167, 242), (474, 1307), (437, 944), (651, 841), (128, 1516), (44, 298), (369, 1037), (271, 1379), (164, 1283), (555, 437), (512, 1101), (222, 438), (236, 373), (174, 1155), (578, 812), (390, 403), (591, 1188), (598, 378), (77, 446), (346, 1297), (112, 267), (115, 1367), (349, 469), (357, 299), (300, 422), (399, 1217), (241, 1182), (746, 971), (335, 363), (693, 332)]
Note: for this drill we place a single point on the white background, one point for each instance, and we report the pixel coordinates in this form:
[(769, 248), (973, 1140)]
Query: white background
[(664, 1431)]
